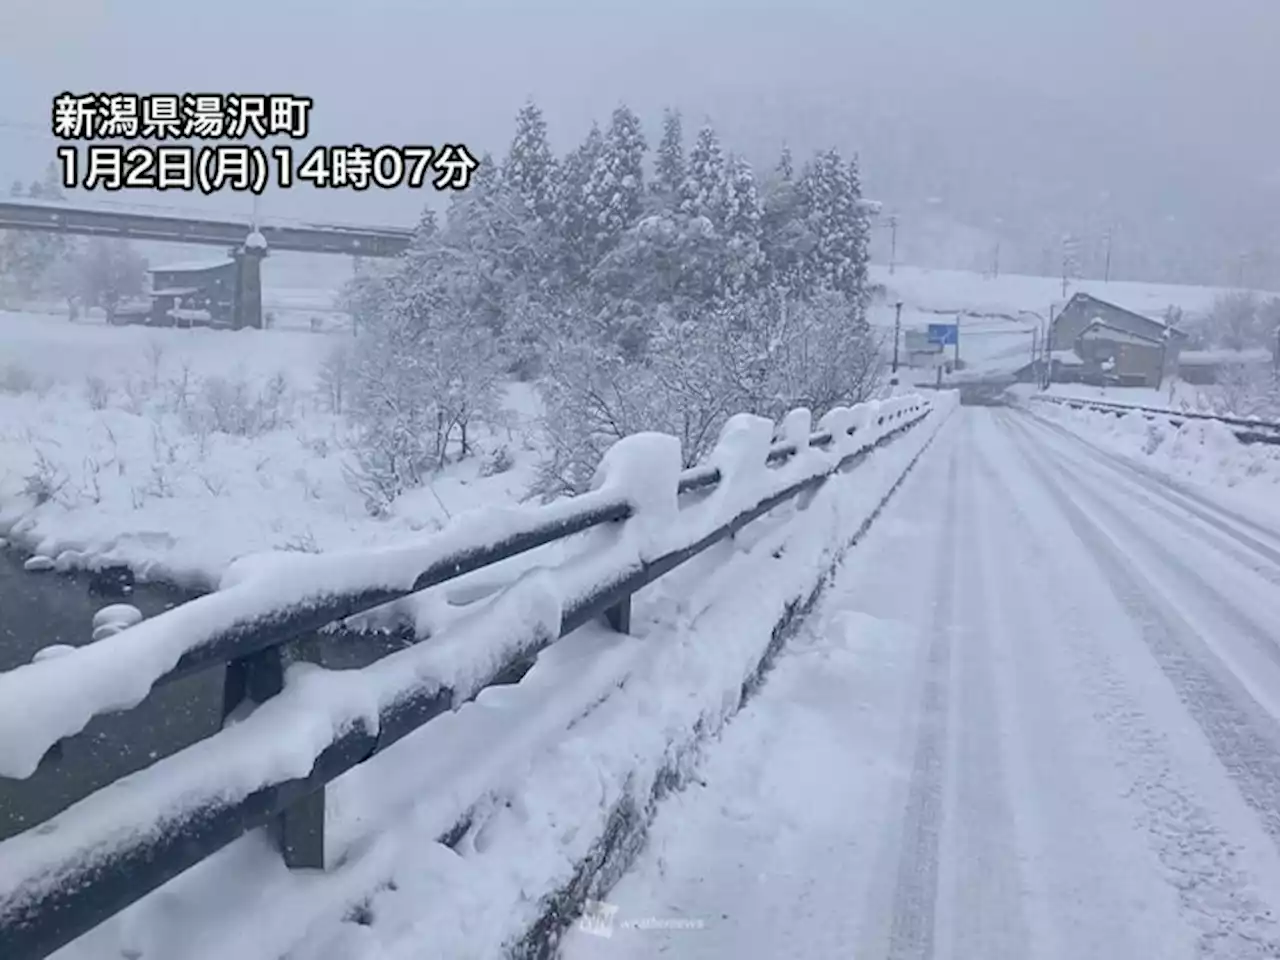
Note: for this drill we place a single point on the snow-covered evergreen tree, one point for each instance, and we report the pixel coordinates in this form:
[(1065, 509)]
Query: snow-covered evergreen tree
[(669, 165), (577, 207), (785, 237), (530, 169), (703, 191), (786, 166), (741, 227), (616, 186), (831, 201)]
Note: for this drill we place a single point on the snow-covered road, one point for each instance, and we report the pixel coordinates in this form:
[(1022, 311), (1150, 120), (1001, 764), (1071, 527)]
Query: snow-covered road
[(1034, 717)]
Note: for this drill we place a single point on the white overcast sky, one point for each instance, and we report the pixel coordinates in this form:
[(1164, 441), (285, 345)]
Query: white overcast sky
[(1017, 109)]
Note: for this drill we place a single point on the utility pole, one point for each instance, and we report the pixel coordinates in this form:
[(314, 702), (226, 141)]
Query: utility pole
[(1048, 350), (1106, 270), (995, 261), (957, 357), (893, 242), (1069, 261), (897, 331)]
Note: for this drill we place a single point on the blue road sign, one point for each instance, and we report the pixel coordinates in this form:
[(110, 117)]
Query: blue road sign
[(945, 334)]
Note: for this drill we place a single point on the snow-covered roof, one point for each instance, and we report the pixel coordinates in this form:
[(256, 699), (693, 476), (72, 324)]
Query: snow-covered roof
[(1159, 322), (193, 266), (1207, 357), (1100, 330), (1068, 358), (175, 291)]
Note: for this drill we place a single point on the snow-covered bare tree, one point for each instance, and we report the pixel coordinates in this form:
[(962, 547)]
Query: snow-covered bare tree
[(109, 271), (1234, 322), (28, 258), (427, 365)]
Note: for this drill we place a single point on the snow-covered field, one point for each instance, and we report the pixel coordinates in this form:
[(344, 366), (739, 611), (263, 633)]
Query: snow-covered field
[(178, 450), (948, 291)]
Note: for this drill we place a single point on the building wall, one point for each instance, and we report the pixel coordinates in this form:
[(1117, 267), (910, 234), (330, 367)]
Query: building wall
[(216, 288), (1131, 359)]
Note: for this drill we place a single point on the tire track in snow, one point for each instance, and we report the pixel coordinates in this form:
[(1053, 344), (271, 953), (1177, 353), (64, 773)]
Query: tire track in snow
[(915, 893), (1218, 897), (1251, 615), (1243, 735), (982, 913), (1079, 879)]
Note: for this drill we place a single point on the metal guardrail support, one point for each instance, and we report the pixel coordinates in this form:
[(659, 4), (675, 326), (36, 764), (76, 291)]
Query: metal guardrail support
[(298, 831)]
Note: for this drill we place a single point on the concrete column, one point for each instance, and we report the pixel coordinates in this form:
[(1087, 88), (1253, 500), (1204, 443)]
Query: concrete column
[(248, 295)]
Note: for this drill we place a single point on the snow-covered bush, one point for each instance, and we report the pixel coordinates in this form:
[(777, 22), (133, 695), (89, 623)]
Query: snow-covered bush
[(237, 408)]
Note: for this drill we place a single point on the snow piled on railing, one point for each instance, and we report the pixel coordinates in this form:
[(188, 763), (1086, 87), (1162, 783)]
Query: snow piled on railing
[(43, 702), (597, 716), (117, 673), (281, 739)]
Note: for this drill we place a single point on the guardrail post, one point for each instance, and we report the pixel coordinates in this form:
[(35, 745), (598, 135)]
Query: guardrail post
[(298, 832), (619, 616)]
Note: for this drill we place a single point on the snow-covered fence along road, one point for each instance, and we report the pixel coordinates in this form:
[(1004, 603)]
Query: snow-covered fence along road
[(1246, 429), (270, 767)]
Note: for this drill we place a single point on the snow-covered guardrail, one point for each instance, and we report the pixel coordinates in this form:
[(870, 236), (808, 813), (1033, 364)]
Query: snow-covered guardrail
[(1246, 429), (306, 726)]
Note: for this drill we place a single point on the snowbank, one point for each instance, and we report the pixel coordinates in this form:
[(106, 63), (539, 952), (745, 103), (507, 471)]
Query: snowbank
[(630, 705), (1204, 452)]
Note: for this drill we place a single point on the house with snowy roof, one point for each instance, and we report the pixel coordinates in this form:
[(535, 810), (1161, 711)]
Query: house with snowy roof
[(1101, 342)]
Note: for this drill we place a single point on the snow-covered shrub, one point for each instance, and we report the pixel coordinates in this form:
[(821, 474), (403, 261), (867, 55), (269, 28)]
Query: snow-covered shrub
[(764, 354), (334, 381), (15, 379), (499, 460), (235, 407), (45, 481), (97, 392)]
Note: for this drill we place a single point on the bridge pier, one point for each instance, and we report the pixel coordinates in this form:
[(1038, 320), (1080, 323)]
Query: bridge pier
[(247, 311)]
